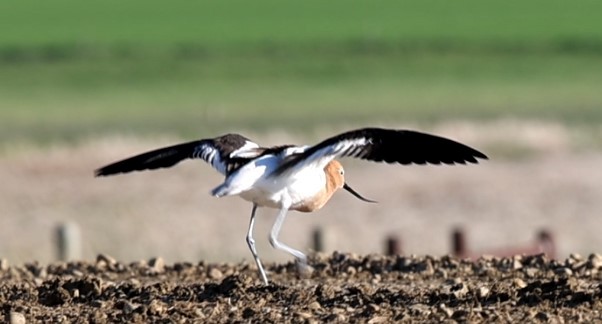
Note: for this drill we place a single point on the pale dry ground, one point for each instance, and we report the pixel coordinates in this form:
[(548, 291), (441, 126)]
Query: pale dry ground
[(169, 213)]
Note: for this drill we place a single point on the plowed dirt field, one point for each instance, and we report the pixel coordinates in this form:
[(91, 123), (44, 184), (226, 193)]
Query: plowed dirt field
[(341, 288)]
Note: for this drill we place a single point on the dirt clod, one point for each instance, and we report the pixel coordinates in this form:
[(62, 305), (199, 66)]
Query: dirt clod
[(380, 289), (3, 265), (157, 265), (17, 318), (215, 273)]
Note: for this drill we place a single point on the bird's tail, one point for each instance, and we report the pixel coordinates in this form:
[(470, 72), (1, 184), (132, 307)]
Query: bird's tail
[(224, 190)]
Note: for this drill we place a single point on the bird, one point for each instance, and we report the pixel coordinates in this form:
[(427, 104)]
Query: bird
[(297, 177)]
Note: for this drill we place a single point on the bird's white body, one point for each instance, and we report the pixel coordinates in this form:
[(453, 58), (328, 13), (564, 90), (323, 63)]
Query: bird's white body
[(289, 191), (253, 182)]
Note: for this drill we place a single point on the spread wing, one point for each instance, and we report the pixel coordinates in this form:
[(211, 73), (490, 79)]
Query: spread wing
[(383, 145), (225, 153)]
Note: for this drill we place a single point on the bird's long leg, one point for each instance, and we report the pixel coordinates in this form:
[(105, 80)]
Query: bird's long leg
[(280, 246), (251, 243)]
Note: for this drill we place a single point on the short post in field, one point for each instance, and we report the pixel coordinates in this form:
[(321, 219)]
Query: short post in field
[(68, 241), (393, 245), (318, 239), (546, 243), (459, 243)]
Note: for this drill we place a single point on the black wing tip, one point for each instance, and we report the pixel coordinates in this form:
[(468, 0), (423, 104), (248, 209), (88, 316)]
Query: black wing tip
[(465, 155), (125, 166), (474, 158), (478, 155), (101, 173), (458, 153), (104, 172), (121, 167), (482, 157)]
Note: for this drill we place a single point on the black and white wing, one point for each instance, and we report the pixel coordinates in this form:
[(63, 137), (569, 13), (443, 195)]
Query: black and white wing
[(225, 153), (383, 145)]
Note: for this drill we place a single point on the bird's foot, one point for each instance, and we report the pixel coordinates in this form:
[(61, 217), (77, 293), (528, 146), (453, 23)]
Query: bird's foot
[(304, 269)]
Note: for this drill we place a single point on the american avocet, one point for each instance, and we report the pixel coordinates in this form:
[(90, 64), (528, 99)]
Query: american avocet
[(301, 178)]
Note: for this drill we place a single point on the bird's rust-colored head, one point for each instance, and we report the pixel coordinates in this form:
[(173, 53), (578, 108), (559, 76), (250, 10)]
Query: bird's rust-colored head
[(335, 176), (335, 180)]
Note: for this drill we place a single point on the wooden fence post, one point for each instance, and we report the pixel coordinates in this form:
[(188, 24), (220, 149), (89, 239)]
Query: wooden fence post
[(68, 241), (546, 243), (318, 239), (393, 245), (459, 243)]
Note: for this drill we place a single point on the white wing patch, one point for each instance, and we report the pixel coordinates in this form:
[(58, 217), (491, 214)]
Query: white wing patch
[(211, 155), (294, 150), (341, 148), (246, 151), (344, 147), (322, 157)]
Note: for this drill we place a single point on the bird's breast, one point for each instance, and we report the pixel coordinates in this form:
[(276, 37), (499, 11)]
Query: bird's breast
[(302, 192), (312, 203)]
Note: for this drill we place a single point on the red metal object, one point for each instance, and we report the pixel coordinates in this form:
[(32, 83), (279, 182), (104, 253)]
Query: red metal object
[(544, 243)]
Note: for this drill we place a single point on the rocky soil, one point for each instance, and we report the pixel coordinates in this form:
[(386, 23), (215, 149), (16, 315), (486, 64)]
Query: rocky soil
[(341, 288)]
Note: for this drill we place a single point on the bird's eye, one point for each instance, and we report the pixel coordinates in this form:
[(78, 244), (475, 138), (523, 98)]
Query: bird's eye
[(342, 172)]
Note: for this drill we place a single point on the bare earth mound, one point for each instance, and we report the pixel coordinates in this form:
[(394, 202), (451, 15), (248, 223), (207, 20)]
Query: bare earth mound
[(342, 288)]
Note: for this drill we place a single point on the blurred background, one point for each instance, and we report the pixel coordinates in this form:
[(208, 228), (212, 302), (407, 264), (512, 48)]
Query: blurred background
[(83, 84)]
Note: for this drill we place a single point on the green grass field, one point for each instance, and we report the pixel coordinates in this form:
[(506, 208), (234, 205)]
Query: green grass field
[(69, 69)]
